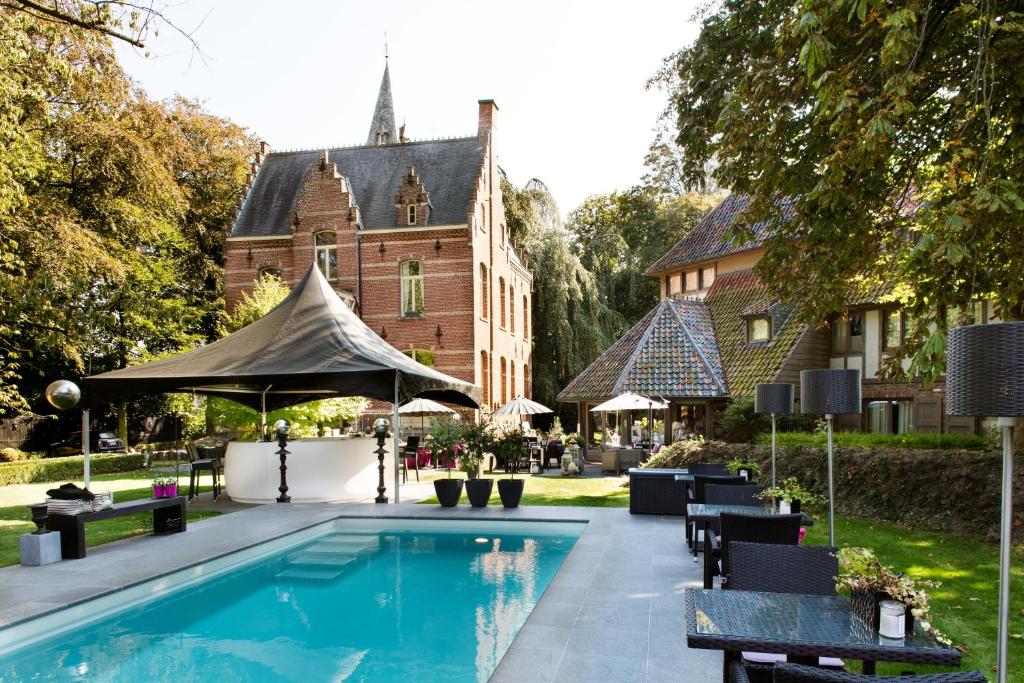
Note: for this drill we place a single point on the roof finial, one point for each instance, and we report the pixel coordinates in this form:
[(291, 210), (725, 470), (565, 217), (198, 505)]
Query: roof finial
[(385, 46)]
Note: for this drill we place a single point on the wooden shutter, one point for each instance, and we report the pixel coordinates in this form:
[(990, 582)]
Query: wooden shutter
[(927, 413)]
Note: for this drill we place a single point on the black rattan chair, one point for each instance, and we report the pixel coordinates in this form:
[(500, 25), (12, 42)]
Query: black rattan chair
[(554, 451), (774, 529), (196, 466), (696, 494), (799, 673), (732, 494), (716, 469)]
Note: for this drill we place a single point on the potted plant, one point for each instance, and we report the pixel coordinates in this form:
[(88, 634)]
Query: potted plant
[(869, 582), (508, 445), (744, 468), (790, 496), (170, 488), (478, 440), (446, 442), (158, 488)]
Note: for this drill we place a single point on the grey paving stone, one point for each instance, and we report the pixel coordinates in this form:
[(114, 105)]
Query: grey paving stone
[(590, 668), (542, 637), (522, 665)]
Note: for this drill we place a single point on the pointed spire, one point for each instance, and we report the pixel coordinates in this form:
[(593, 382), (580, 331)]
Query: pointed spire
[(382, 128)]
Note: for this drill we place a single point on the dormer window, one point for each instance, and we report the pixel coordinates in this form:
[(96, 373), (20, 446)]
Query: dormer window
[(411, 214), (759, 329), (327, 253)]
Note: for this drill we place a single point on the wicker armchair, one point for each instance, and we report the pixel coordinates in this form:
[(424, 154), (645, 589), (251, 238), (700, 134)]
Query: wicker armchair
[(630, 457), (776, 529), (774, 568), (696, 494), (798, 673), (733, 494)]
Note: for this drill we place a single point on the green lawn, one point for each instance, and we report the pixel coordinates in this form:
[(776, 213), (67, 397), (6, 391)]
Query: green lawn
[(17, 519), (963, 607), (541, 490)]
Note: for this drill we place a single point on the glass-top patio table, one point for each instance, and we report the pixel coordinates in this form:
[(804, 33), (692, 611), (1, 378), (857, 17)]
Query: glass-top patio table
[(800, 627), (705, 513)]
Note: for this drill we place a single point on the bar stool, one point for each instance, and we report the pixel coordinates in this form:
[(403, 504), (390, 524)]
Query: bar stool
[(196, 466)]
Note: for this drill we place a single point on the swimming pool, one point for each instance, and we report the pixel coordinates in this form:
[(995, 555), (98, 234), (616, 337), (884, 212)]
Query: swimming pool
[(352, 600)]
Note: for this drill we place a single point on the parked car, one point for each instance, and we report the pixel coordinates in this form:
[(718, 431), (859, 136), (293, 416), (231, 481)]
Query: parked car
[(100, 442)]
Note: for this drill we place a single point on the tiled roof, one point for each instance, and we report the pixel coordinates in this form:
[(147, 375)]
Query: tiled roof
[(745, 364), (706, 241), (671, 352), (448, 169)]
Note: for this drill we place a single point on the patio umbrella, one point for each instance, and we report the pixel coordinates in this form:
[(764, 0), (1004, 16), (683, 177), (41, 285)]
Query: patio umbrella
[(630, 401), (422, 407), (520, 406)]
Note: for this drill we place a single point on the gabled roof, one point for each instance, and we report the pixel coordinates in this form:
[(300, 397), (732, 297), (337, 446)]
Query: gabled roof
[(448, 169), (706, 241), (671, 352), (739, 294)]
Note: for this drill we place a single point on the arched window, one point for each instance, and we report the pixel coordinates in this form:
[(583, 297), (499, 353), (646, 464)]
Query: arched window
[(512, 377), (327, 253), (412, 288), (501, 300), (504, 382), (512, 309), (526, 319), (483, 291), (270, 271), (526, 380), (485, 371)]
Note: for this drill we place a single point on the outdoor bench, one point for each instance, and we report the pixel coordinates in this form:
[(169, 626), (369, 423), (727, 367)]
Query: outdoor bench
[(656, 492), (168, 517)]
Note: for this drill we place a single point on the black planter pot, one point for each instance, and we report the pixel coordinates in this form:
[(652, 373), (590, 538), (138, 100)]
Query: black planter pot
[(794, 507), (448, 491), (479, 491), (511, 491)]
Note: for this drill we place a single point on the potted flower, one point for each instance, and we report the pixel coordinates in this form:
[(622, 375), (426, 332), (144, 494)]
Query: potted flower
[(170, 488), (744, 468), (869, 583), (478, 440), (158, 488), (508, 445), (446, 441), (790, 496)]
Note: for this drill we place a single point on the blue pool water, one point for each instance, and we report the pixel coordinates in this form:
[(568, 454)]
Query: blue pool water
[(352, 605)]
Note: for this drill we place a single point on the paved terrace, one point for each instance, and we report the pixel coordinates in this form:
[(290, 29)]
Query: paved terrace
[(614, 611)]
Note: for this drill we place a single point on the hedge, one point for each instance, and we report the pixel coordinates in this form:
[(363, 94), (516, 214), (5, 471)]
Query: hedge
[(65, 469), (942, 490), (913, 440)]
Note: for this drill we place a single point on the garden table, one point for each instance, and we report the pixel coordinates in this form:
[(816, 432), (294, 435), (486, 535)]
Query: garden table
[(800, 627), (704, 513)]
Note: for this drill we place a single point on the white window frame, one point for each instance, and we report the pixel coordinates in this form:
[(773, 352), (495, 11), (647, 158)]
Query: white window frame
[(328, 253), (410, 214), (411, 285)]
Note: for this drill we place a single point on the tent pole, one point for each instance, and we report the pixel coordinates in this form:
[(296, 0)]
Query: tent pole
[(85, 445), (263, 412), (397, 438)]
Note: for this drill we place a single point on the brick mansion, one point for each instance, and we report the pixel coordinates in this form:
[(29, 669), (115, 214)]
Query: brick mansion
[(411, 234)]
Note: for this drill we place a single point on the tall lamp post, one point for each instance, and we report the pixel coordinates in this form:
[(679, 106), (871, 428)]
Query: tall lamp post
[(830, 393), (281, 427), (380, 428), (985, 377), (775, 398)]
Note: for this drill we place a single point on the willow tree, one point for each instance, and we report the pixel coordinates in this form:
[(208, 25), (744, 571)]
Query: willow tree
[(572, 325), (893, 128)]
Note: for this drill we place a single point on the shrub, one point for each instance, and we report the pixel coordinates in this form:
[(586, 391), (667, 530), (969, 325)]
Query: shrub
[(740, 424), (64, 469), (944, 490), (914, 440), (10, 454)]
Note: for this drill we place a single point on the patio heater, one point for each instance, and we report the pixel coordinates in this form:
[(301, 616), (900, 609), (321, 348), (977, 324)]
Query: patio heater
[(830, 393), (775, 398), (985, 377)]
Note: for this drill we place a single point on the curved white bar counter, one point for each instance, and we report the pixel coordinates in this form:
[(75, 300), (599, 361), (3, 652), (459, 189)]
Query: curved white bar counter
[(319, 470)]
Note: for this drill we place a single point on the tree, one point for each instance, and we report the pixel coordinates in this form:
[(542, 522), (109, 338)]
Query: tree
[(617, 236), (112, 212), (882, 139), (571, 323), (267, 292)]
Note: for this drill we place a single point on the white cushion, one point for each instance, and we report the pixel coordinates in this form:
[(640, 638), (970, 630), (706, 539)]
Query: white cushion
[(772, 658)]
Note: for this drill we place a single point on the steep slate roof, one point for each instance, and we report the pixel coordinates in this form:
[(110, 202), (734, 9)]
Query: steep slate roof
[(745, 364), (671, 352), (706, 241), (448, 169), (383, 113)]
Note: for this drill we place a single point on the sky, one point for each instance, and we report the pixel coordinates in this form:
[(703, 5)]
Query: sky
[(568, 77)]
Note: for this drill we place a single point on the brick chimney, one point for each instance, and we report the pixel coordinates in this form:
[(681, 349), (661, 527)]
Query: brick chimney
[(488, 120)]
